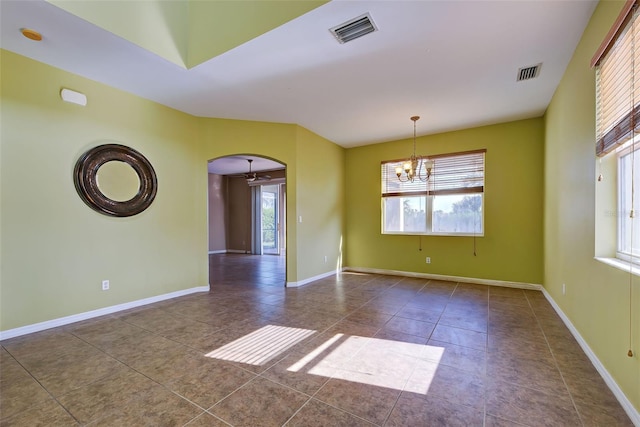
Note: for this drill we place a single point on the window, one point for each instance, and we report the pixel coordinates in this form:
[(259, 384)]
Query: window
[(449, 203), (628, 228), (618, 122)]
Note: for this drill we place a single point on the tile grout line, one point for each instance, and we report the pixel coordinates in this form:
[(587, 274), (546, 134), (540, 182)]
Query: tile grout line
[(140, 373), (486, 360), (428, 339), (386, 419), (555, 362), (55, 399)]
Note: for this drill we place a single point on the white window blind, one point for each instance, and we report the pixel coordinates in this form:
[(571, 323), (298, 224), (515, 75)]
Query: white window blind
[(456, 173), (618, 88)]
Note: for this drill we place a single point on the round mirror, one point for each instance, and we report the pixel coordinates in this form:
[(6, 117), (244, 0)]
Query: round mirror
[(115, 180), (118, 181)]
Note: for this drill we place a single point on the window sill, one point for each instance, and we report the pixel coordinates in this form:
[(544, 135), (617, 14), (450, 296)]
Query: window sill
[(404, 233), (625, 266)]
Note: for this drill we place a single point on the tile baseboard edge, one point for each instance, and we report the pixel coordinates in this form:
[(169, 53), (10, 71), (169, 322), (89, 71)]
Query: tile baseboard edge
[(626, 404), (489, 282), (61, 321)]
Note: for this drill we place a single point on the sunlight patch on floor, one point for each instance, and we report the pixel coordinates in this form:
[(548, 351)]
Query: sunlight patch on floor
[(260, 346), (374, 361)]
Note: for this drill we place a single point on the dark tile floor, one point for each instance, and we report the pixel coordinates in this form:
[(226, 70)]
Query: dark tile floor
[(354, 350)]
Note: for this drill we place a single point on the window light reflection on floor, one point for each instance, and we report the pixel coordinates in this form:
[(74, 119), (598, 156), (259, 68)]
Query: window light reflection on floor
[(260, 346), (374, 361)]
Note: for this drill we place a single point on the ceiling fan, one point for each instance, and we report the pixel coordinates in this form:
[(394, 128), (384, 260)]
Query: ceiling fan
[(252, 176)]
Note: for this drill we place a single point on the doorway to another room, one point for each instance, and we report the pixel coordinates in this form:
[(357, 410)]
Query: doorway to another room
[(247, 221)]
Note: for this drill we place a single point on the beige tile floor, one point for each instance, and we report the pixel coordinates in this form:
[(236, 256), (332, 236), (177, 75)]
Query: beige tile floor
[(355, 350)]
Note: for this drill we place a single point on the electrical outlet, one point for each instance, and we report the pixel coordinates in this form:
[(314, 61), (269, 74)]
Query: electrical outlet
[(326, 259), (564, 289), (105, 285), (428, 260)]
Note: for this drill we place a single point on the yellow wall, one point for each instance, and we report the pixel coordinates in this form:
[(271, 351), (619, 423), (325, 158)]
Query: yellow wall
[(188, 32), (55, 249), (309, 160), (320, 198), (218, 26), (161, 27), (513, 201), (597, 297), (276, 141)]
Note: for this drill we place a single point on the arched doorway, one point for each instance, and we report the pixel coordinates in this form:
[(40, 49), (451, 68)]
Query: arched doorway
[(247, 221)]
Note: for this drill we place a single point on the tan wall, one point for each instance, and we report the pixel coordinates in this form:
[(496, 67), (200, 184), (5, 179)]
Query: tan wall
[(230, 212), (239, 208), (217, 212)]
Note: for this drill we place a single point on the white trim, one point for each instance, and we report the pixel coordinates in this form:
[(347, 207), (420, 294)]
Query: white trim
[(626, 404), (310, 279), (620, 264), (237, 251), (36, 327), (220, 251), (490, 282)]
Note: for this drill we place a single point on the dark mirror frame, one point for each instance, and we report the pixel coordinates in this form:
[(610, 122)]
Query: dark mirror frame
[(85, 180)]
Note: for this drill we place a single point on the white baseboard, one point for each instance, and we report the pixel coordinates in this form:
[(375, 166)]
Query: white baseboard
[(237, 251), (626, 404), (36, 327), (310, 279), (490, 282), (219, 251)]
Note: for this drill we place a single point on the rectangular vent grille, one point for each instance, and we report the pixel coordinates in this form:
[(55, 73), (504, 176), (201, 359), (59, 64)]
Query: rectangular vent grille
[(528, 73), (354, 29)]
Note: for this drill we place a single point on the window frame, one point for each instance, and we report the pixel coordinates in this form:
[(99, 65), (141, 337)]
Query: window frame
[(618, 120), (433, 189), (627, 149)]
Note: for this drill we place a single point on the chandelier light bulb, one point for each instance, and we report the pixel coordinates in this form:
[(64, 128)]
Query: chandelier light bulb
[(414, 165)]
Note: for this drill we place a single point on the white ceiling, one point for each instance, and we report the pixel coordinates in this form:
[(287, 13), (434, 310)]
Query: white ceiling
[(454, 63)]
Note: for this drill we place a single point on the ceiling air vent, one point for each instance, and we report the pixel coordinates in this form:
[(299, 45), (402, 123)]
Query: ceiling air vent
[(528, 73), (354, 28)]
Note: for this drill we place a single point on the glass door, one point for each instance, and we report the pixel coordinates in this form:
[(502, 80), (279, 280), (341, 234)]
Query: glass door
[(270, 195)]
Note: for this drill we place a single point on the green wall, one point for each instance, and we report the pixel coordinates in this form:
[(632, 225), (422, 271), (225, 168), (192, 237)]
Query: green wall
[(273, 140), (215, 27), (188, 32), (55, 249), (597, 296), (320, 199), (314, 185), (513, 201), (159, 26)]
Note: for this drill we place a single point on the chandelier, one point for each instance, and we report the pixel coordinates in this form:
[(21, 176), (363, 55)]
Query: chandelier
[(415, 167)]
